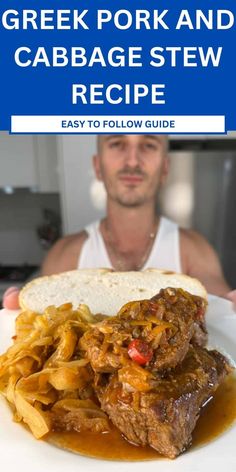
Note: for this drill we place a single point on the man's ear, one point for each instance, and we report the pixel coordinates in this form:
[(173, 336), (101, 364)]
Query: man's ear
[(165, 169), (97, 166)]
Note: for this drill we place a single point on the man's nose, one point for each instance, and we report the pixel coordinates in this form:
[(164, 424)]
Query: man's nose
[(132, 156)]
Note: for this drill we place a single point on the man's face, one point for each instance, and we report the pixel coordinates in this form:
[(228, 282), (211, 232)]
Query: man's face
[(132, 167)]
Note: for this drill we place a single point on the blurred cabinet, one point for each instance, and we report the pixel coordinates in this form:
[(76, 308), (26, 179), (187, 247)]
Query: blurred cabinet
[(28, 161)]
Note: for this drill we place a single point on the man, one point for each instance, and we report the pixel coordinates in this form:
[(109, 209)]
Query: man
[(132, 237)]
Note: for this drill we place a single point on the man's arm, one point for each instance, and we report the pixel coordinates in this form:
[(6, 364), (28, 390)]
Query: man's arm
[(200, 260), (64, 254)]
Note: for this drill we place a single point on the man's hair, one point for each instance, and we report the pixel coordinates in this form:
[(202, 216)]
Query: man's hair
[(101, 136)]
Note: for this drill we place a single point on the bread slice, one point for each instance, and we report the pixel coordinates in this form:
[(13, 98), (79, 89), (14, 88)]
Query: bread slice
[(103, 290)]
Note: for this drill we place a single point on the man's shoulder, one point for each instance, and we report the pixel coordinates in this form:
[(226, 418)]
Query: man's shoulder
[(64, 254), (195, 250), (72, 241), (192, 239), (199, 259)]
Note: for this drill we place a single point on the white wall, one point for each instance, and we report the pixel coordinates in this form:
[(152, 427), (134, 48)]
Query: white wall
[(76, 177)]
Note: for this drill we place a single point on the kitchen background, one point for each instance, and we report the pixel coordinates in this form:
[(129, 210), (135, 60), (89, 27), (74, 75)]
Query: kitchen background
[(48, 188)]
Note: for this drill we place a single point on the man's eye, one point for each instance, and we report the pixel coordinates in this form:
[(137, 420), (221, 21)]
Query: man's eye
[(114, 144), (151, 146)]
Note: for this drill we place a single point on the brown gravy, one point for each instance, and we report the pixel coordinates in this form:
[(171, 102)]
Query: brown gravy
[(217, 416)]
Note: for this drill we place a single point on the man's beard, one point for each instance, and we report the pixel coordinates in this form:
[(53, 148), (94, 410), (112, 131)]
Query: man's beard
[(133, 201), (131, 198)]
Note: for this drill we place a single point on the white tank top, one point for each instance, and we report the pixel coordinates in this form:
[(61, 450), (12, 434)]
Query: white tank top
[(165, 252)]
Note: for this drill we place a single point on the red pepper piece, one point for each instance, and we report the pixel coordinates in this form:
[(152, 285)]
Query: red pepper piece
[(140, 352)]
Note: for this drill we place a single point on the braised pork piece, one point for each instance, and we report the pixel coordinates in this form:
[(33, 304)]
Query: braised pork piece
[(152, 372), (165, 325), (165, 414)]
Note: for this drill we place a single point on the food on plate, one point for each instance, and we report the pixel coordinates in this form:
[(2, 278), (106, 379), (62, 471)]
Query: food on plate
[(145, 369)]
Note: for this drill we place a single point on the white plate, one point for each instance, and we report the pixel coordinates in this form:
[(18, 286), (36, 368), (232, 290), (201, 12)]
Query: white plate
[(19, 451)]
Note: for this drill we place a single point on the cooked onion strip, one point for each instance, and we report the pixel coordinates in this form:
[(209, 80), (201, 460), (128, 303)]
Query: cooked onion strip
[(44, 371)]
